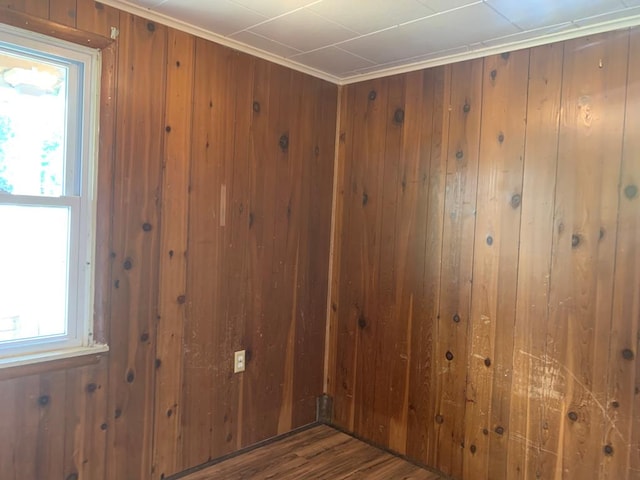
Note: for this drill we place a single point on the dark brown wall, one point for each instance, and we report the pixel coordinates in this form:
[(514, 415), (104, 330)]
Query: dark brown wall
[(216, 176), (486, 286)]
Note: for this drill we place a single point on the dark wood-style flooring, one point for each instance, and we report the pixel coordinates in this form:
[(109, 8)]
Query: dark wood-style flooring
[(318, 453)]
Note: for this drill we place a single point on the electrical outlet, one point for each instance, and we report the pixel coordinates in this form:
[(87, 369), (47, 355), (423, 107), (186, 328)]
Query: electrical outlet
[(238, 361)]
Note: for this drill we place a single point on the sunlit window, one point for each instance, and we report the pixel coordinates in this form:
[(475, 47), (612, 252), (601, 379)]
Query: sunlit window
[(47, 157)]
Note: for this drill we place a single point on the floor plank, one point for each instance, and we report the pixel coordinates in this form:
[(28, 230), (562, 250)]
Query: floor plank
[(317, 453)]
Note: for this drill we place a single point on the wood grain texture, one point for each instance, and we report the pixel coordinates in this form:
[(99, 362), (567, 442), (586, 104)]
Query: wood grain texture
[(190, 162), (524, 362), (319, 453)]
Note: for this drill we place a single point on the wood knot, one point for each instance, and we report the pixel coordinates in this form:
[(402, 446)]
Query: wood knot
[(256, 107), (316, 151), (43, 400), (170, 253), (485, 431), (362, 322), (615, 404), (167, 128), (472, 449), (487, 362), (284, 142), (573, 416), (456, 318), (365, 198), (499, 430), (466, 108), (494, 74), (608, 450), (130, 376), (372, 95), (505, 56), (334, 307), (178, 63), (169, 413), (439, 419), (181, 299), (459, 154), (147, 227), (449, 355), (516, 200), (630, 191), (104, 426), (229, 437), (128, 264), (151, 26), (501, 137), (628, 354), (144, 337), (158, 363), (117, 413), (398, 116), (92, 387), (601, 233), (575, 240), (489, 240)]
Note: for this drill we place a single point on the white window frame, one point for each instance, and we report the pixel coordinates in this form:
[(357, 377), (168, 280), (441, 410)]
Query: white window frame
[(80, 197)]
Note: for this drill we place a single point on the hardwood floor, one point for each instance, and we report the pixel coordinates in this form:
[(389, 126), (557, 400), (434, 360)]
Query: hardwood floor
[(315, 454)]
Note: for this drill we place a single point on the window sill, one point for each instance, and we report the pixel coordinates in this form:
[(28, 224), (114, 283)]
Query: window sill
[(23, 365)]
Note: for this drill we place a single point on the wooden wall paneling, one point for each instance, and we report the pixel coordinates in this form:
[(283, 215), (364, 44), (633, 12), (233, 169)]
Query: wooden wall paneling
[(63, 12), (495, 263), (86, 421), (237, 230), (173, 253), (96, 17), (407, 257), (202, 327), (48, 410), (623, 402), (385, 324), (344, 100), (368, 220), (463, 105), (232, 125), (340, 369), (26, 407), (423, 251), (136, 232), (37, 8), (530, 453), (268, 326), (595, 75), (258, 207), (315, 212), (287, 254)]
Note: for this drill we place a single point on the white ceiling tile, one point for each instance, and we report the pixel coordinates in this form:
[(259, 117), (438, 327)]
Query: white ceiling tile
[(437, 33), (606, 17), (444, 5), (264, 44), (528, 34), (366, 16), (149, 3), (221, 16), (530, 14), (271, 8), (631, 3), (332, 60), (304, 30)]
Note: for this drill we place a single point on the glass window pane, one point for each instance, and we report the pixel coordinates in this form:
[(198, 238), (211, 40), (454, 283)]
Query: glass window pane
[(32, 125), (33, 271)]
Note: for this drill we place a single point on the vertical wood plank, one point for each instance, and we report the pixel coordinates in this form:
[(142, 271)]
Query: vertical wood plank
[(529, 454), (96, 17), (141, 86), (464, 107), (589, 157), (173, 252), (425, 252), (201, 362), (63, 12), (623, 377)]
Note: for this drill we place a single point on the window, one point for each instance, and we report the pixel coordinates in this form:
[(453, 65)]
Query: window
[(48, 91)]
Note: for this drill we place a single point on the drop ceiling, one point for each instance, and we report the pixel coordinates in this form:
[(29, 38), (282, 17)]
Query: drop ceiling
[(351, 40)]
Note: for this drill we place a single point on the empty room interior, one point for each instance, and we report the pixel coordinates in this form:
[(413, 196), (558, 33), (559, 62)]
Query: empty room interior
[(319, 239)]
